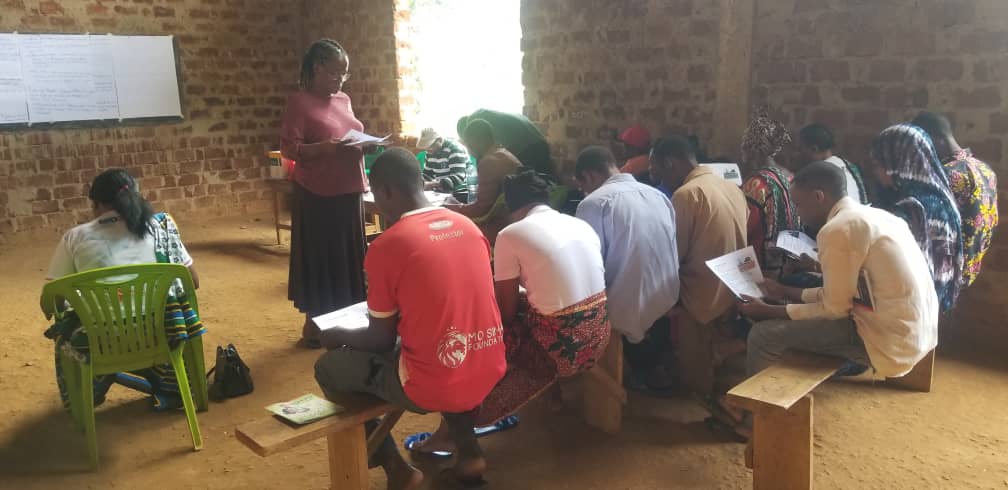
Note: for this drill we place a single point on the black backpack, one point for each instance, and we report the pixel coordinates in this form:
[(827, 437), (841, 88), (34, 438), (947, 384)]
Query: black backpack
[(231, 376)]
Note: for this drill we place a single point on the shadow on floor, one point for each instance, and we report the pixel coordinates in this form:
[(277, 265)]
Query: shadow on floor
[(252, 252), (50, 444)]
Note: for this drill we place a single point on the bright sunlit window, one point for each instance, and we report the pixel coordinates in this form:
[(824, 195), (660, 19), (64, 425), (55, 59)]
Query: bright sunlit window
[(468, 56)]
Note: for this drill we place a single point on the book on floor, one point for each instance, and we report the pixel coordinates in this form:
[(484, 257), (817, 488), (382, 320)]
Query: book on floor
[(305, 409)]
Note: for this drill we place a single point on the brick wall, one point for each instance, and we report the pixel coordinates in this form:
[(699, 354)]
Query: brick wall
[(862, 65), (237, 63), (858, 65), (595, 66), (366, 30)]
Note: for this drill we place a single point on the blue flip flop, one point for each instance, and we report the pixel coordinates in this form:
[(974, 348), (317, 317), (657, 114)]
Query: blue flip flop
[(509, 422)]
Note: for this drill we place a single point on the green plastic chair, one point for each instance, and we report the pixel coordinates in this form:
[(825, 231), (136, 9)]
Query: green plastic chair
[(422, 158), (369, 159), (122, 309)]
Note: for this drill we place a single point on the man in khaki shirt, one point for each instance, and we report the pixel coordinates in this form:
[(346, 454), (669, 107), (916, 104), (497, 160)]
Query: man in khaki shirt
[(877, 306), (711, 216)]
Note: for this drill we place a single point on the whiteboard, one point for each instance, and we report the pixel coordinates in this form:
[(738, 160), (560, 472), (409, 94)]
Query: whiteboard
[(49, 78), (145, 76)]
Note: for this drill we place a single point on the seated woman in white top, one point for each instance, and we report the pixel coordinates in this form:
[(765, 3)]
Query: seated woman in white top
[(125, 231), (560, 325)]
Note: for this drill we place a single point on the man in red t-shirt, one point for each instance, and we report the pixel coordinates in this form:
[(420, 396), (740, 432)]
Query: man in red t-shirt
[(452, 347)]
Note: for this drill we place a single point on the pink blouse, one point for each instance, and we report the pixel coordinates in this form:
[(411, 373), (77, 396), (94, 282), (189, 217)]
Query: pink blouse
[(309, 119)]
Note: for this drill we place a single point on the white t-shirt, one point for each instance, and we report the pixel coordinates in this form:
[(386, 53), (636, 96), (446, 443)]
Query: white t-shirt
[(852, 188), (104, 242), (557, 258)]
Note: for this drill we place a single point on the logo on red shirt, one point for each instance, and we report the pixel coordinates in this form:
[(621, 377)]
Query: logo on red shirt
[(441, 224), (452, 349)]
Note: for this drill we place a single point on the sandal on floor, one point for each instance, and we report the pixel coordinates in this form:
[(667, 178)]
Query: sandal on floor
[(721, 420), (411, 442), (850, 368)]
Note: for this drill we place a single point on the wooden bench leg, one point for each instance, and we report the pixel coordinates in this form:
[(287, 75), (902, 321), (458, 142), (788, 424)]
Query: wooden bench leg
[(383, 429), (348, 459), (920, 377), (603, 407), (782, 447), (276, 214)]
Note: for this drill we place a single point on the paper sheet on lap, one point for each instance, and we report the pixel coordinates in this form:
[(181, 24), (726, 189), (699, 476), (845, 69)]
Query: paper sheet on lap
[(740, 271), (355, 138), (435, 198), (353, 316), (797, 243)]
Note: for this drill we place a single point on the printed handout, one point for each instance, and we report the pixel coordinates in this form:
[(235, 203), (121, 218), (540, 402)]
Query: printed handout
[(797, 243), (356, 138), (740, 271), (353, 316)]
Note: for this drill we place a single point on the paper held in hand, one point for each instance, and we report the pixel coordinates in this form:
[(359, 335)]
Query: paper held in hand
[(305, 409), (357, 138), (353, 316), (740, 271), (797, 243)]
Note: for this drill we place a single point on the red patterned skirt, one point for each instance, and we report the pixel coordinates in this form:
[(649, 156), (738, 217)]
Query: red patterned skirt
[(543, 348)]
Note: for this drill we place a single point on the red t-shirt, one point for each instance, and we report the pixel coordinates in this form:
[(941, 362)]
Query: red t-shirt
[(432, 267), (312, 119)]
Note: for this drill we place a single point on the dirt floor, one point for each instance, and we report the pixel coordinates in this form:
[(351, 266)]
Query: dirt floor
[(866, 436)]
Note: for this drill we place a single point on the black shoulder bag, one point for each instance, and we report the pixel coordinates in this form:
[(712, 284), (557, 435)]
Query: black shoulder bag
[(231, 376)]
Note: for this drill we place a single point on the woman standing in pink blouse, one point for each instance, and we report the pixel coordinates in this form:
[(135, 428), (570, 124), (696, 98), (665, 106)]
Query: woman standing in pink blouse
[(327, 226)]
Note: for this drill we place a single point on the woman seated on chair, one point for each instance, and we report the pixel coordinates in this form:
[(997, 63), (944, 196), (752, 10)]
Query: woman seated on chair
[(125, 231)]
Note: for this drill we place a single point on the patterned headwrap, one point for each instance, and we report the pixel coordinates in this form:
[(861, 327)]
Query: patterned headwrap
[(764, 135), (920, 194)]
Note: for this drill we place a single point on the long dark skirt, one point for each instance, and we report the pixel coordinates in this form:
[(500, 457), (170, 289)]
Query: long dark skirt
[(327, 251)]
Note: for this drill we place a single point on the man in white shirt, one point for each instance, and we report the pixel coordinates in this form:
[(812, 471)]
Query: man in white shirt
[(815, 142), (877, 306)]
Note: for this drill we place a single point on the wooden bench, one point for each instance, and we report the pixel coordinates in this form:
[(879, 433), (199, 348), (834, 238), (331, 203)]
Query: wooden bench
[(349, 448), (604, 395), (779, 397)]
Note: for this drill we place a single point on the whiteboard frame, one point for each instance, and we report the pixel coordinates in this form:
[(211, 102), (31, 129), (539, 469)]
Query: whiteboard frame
[(108, 123)]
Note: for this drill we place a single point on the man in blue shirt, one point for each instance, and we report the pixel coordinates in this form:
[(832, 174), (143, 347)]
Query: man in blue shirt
[(636, 224)]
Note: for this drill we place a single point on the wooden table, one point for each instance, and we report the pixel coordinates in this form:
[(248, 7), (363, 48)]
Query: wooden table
[(281, 188)]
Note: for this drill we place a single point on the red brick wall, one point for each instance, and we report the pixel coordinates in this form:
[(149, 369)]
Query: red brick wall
[(860, 66), (593, 66), (238, 62), (366, 30)]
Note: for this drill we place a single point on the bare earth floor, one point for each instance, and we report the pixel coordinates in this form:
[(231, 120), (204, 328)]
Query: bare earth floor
[(866, 436)]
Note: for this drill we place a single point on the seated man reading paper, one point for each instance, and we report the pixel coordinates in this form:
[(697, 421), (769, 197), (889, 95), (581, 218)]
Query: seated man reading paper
[(450, 352), (877, 306)]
